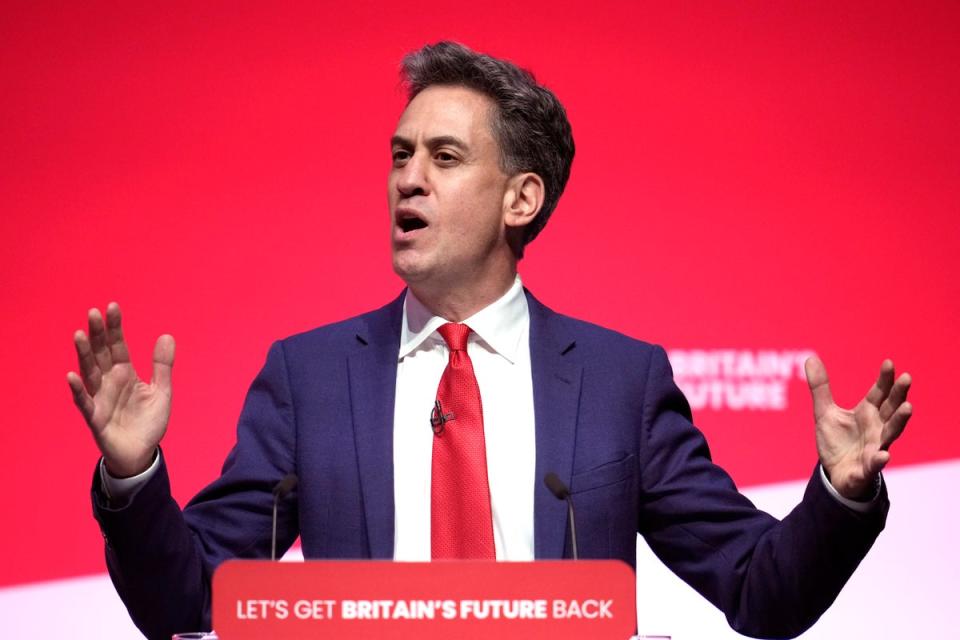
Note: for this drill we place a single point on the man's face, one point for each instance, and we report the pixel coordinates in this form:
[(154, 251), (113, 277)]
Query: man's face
[(446, 190)]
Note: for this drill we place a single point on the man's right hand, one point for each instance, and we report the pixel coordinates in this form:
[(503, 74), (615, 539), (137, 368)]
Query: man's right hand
[(126, 415)]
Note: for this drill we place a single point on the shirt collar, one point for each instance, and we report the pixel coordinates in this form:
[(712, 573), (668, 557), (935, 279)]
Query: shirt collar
[(500, 325)]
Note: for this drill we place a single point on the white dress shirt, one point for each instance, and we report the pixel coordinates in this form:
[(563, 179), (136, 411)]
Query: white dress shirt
[(499, 348)]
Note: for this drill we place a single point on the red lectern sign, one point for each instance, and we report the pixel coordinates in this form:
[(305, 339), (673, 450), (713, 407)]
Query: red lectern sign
[(367, 599)]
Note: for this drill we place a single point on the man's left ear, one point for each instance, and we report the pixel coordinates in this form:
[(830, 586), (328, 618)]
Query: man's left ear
[(523, 199)]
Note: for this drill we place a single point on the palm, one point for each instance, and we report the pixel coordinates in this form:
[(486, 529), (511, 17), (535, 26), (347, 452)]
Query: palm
[(853, 444), (126, 415)]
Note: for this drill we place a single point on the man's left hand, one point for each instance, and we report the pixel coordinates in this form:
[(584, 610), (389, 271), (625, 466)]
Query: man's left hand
[(854, 444)]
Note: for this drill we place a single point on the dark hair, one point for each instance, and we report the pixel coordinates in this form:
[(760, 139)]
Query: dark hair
[(529, 124)]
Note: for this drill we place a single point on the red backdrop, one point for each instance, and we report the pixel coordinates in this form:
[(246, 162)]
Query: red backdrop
[(749, 176)]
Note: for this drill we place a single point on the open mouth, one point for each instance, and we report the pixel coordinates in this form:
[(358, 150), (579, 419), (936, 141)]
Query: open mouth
[(412, 224), (409, 220)]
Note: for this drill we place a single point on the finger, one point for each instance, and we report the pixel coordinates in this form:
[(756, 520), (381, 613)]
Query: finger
[(98, 340), (876, 463), (895, 425), (163, 353), (897, 395), (115, 342), (819, 385), (881, 388), (89, 369), (80, 396)]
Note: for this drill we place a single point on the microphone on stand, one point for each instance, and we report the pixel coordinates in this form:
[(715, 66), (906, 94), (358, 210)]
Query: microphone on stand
[(280, 491), (560, 490)]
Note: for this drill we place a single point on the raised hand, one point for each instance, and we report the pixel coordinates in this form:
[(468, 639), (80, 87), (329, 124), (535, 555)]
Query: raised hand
[(854, 444), (126, 415)]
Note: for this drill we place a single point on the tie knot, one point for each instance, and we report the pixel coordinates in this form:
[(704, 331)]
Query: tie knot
[(455, 335)]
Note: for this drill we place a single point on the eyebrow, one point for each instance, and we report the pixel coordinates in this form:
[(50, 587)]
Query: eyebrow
[(433, 143)]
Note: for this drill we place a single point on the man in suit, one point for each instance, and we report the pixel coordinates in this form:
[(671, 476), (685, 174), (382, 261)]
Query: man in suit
[(480, 156)]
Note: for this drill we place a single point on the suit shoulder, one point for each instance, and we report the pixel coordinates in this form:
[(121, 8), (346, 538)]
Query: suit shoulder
[(604, 335), (607, 343), (589, 343), (591, 338), (345, 335)]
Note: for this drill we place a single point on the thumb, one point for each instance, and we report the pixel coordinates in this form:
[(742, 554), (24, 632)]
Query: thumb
[(163, 353), (819, 385)]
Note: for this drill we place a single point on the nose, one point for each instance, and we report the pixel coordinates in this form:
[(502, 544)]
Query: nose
[(411, 178)]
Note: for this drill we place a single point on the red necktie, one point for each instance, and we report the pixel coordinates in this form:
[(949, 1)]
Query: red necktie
[(461, 524)]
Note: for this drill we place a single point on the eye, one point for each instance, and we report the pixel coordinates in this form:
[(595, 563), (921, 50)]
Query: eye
[(400, 157), (446, 158)]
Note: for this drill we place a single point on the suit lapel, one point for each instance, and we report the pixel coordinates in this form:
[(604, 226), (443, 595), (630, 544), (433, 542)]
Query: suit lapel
[(373, 381), (556, 400)]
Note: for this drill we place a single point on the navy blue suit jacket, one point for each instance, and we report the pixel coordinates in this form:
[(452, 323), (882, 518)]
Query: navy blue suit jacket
[(609, 421)]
